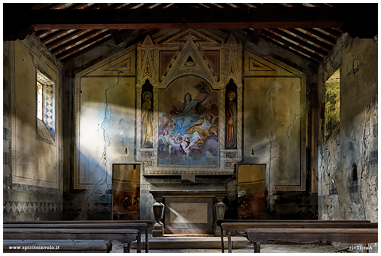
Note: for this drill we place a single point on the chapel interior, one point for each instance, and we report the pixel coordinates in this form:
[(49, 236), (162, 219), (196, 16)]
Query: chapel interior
[(185, 114)]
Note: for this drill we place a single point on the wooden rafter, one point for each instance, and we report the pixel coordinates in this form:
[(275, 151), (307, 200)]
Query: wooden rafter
[(317, 42), (332, 32), (84, 47), (51, 36), (65, 38), (270, 40), (300, 42), (327, 38), (78, 47), (292, 45), (210, 18), (85, 36), (114, 32)]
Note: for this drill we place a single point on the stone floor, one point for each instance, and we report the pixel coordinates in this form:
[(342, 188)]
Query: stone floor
[(180, 244)]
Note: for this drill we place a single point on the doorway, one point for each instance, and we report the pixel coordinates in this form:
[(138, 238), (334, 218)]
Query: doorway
[(126, 191)]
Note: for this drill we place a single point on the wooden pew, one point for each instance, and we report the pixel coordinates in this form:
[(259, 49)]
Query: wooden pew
[(240, 225), (56, 246), (142, 225), (312, 235), (126, 236)]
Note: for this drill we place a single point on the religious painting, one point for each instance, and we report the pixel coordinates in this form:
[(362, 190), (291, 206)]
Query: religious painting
[(231, 116), (147, 116), (251, 191), (126, 191), (188, 123)]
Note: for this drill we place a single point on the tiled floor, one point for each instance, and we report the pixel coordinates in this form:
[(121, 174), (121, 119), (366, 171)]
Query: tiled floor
[(172, 246)]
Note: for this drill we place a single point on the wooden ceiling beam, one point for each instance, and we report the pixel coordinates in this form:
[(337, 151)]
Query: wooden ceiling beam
[(130, 6), (100, 39), (321, 35), (289, 49), (314, 40), (116, 36), (79, 46), (207, 18), (42, 6), (53, 35), (63, 39), (255, 35), (57, 6), (332, 32), (292, 45), (75, 41), (300, 42)]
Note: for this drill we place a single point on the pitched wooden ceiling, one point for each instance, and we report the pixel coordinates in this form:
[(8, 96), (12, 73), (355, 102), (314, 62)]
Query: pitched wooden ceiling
[(307, 30)]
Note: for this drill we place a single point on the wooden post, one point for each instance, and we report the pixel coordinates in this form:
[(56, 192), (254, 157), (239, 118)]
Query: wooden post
[(222, 240), (257, 247), (229, 242)]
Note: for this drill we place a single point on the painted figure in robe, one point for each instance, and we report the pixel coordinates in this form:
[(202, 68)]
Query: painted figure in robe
[(231, 122), (190, 113), (147, 129)]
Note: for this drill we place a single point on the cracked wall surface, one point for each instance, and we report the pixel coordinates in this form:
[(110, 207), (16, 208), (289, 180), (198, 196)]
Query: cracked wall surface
[(348, 161), (32, 168), (107, 129)]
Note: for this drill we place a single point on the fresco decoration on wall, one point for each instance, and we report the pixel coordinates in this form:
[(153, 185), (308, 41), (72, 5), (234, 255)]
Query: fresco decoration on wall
[(270, 127), (231, 116), (189, 68), (101, 98), (147, 116), (188, 123)]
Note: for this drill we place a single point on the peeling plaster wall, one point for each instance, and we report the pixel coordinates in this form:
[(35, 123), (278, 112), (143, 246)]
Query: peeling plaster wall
[(105, 110), (32, 177), (353, 151), (96, 202), (272, 118)]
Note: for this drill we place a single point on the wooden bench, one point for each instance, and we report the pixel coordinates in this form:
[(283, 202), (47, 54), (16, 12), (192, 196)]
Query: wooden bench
[(230, 226), (142, 225), (56, 246), (125, 236), (312, 235)]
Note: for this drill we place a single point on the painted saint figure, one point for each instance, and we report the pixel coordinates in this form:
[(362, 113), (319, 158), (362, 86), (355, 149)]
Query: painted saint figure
[(231, 122), (190, 113), (147, 129)]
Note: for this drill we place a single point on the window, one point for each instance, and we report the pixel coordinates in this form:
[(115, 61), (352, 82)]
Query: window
[(39, 100), (45, 108), (332, 106)]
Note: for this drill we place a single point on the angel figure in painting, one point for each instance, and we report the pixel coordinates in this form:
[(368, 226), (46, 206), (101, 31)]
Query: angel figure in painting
[(231, 122), (147, 130)]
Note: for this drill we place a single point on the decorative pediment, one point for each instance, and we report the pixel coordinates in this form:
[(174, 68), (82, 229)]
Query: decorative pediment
[(147, 41), (233, 60), (258, 66), (122, 63), (122, 66), (231, 41), (146, 62), (191, 61)]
